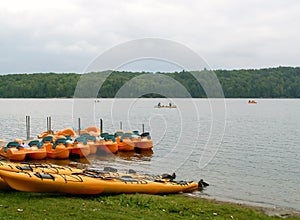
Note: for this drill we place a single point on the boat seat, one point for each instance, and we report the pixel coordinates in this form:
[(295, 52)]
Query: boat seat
[(35, 142), (145, 134), (59, 141), (44, 176), (119, 133), (11, 144), (110, 137), (24, 168), (47, 138), (82, 139), (104, 135), (126, 135), (136, 133)]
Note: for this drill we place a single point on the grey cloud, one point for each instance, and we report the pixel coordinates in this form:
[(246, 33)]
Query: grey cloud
[(64, 36)]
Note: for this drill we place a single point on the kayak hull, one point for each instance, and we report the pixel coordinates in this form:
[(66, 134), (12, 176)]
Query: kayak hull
[(81, 184)]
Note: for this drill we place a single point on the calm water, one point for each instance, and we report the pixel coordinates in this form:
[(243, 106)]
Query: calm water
[(248, 153)]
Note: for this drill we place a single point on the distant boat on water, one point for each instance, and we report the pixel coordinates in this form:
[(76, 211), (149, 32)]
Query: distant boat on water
[(170, 105), (252, 102)]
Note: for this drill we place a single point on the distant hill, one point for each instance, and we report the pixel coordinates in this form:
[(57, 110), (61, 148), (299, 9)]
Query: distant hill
[(280, 82)]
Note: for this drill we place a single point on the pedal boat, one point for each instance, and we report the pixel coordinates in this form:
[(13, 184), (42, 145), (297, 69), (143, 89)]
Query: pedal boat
[(142, 142), (57, 150), (124, 141), (89, 140), (107, 144), (35, 151), (80, 148), (12, 151)]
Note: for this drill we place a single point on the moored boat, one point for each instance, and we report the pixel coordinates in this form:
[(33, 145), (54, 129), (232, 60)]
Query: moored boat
[(93, 131), (66, 132), (56, 150), (12, 151), (252, 102), (143, 141), (170, 105), (89, 140), (80, 148), (35, 151), (107, 144), (33, 167), (86, 183), (124, 141)]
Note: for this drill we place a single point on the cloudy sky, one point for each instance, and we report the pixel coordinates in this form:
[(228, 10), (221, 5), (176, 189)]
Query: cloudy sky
[(66, 35)]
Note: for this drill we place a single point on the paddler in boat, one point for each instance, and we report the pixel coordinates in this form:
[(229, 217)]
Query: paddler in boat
[(158, 104)]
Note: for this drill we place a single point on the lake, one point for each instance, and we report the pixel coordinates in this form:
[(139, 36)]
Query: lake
[(247, 152)]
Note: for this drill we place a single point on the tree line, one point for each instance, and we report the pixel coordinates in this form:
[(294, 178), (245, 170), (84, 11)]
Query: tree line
[(280, 82)]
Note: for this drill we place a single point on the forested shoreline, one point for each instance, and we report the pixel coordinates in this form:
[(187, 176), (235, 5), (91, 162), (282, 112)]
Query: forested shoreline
[(280, 82)]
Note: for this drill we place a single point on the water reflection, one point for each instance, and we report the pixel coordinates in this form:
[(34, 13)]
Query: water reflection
[(102, 157)]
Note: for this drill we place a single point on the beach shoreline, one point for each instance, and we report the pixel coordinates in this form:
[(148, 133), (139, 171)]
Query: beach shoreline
[(267, 209)]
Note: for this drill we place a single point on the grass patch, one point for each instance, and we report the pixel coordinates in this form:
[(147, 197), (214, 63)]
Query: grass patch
[(20, 205)]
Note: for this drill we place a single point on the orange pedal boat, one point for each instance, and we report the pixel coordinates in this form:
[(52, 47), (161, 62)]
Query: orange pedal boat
[(143, 141), (80, 148), (87, 139), (108, 144), (35, 151), (124, 141), (58, 150), (12, 152)]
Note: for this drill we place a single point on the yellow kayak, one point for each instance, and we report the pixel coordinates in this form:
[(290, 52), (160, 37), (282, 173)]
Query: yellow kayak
[(4, 185), (37, 167), (31, 167), (91, 184), (107, 172), (14, 174)]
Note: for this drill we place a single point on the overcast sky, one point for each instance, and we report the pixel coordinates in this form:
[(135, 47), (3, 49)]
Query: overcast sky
[(66, 35)]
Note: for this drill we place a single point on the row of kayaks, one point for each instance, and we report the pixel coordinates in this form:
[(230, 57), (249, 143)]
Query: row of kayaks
[(49, 178), (65, 143)]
